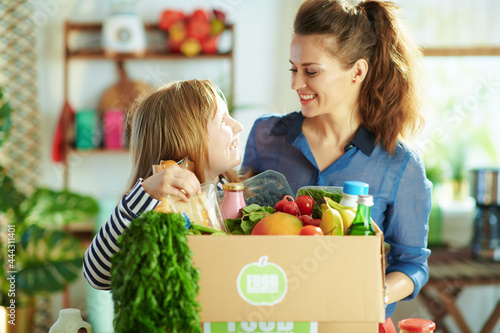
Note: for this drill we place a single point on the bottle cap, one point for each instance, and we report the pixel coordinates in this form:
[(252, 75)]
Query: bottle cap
[(353, 187), (416, 325), (233, 186), (365, 199)]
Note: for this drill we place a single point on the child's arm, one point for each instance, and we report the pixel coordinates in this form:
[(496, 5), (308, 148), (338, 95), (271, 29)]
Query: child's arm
[(97, 259), (143, 197)]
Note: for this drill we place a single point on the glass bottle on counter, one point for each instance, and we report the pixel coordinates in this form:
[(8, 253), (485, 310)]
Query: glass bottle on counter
[(411, 325), (70, 320), (233, 200), (362, 225), (350, 192)]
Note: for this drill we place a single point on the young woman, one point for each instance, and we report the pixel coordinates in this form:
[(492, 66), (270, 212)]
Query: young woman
[(182, 119), (355, 74)]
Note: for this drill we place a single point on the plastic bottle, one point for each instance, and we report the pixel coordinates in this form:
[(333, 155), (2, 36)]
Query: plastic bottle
[(233, 200), (70, 321), (411, 325), (350, 192), (362, 225)]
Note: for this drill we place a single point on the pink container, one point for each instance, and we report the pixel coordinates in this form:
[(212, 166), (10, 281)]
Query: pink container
[(233, 200), (114, 121)]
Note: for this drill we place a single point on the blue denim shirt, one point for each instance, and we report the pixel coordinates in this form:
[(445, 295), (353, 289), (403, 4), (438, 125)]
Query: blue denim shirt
[(401, 191)]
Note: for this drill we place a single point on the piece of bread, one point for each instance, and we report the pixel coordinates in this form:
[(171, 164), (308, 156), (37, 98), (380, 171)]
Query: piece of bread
[(199, 210)]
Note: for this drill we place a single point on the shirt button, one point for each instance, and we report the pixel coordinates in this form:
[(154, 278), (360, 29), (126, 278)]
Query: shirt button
[(350, 146)]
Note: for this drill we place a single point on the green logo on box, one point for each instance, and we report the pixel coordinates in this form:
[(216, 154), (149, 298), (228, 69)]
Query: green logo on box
[(268, 327), (262, 283)]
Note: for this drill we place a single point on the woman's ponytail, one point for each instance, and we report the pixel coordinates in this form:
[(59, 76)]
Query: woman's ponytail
[(388, 100)]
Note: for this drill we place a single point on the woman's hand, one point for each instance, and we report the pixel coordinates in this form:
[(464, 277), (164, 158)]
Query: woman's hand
[(175, 181)]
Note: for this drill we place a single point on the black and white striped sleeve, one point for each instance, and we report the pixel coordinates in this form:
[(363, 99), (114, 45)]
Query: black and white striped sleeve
[(97, 259)]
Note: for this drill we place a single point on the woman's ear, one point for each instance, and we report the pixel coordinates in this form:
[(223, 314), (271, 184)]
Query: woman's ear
[(359, 70)]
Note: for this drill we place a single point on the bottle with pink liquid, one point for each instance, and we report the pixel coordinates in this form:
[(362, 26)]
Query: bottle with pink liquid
[(233, 200)]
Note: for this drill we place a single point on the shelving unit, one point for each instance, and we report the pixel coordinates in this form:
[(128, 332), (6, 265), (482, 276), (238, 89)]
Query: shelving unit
[(98, 54), (461, 52)]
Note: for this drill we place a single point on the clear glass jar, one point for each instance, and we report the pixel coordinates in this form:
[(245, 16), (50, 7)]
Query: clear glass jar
[(416, 325), (233, 200)]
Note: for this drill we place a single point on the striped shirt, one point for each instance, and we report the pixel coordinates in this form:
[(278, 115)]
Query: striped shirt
[(97, 259)]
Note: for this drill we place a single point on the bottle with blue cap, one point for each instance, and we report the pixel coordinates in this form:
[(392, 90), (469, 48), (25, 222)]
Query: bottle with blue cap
[(350, 192)]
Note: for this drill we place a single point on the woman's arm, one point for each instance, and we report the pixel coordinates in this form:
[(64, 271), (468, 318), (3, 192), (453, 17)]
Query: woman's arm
[(398, 286), (406, 231)]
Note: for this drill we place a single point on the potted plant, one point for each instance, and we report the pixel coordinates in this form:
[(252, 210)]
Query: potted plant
[(43, 256)]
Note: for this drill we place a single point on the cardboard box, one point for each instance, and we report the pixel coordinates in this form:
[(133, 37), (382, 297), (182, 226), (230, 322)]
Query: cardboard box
[(335, 281)]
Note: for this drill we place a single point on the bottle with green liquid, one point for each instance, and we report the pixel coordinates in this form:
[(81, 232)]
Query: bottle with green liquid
[(362, 225)]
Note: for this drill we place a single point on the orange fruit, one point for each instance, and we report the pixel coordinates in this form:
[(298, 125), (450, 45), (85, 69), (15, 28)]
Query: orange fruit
[(168, 164)]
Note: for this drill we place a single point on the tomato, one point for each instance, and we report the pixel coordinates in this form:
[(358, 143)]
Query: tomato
[(310, 230), (305, 204)]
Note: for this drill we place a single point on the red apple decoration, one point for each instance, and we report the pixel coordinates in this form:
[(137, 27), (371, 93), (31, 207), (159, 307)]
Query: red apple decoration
[(209, 45), (174, 46), (169, 17), (199, 29), (199, 14)]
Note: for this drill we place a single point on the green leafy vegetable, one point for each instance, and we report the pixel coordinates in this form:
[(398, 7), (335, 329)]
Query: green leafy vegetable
[(153, 281), (198, 229), (317, 195), (251, 214)]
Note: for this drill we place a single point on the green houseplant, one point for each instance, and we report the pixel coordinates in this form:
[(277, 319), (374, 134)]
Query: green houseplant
[(45, 257)]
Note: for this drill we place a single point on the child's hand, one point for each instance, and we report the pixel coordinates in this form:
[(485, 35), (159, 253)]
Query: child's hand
[(175, 181)]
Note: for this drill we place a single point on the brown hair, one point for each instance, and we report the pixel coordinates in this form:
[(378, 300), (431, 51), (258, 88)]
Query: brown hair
[(171, 124), (388, 102)]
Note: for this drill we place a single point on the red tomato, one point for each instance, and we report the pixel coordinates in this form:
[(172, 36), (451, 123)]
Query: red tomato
[(310, 230), (305, 204)]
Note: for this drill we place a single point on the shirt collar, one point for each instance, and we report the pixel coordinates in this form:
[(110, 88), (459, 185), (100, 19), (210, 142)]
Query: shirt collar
[(364, 140), (291, 125)]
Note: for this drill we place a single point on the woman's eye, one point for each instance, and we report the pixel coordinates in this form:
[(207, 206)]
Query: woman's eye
[(311, 73), (293, 70)]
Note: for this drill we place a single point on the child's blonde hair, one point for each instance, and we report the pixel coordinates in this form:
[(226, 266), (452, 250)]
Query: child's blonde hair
[(171, 124)]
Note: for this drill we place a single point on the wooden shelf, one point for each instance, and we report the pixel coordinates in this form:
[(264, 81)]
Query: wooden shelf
[(98, 54), (97, 26), (93, 151), (461, 52)]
